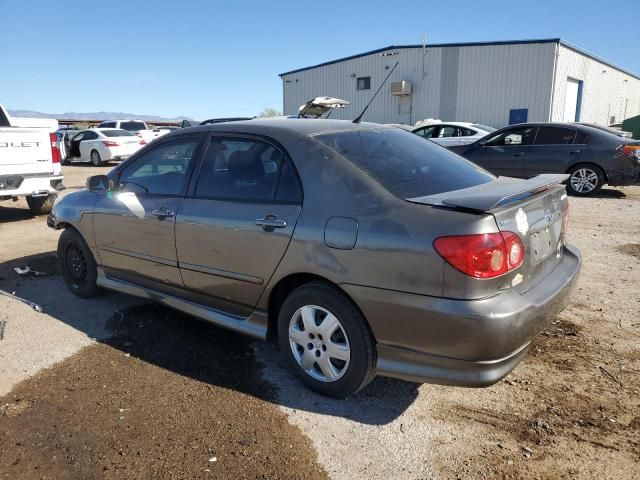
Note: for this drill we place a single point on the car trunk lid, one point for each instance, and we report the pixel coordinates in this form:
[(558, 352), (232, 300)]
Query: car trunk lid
[(534, 209)]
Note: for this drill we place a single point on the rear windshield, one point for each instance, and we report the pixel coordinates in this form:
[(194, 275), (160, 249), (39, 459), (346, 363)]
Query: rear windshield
[(133, 126), (117, 133), (405, 164), (486, 128)]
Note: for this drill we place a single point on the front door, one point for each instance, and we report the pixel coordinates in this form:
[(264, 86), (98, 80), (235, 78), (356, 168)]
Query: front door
[(504, 154), (235, 225), (134, 224)]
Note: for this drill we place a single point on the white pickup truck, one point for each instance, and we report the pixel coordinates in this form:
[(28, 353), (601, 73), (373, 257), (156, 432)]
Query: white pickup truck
[(29, 165)]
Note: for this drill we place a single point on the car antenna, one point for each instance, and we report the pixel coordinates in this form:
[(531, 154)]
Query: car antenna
[(358, 119)]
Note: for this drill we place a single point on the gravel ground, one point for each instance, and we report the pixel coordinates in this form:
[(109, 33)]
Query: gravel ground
[(569, 410)]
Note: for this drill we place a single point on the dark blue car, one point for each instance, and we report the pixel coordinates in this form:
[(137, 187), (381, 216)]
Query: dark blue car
[(591, 156)]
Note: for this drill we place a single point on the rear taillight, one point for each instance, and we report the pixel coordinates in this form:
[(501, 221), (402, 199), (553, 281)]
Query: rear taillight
[(108, 143), (142, 142), (484, 255), (55, 151), (632, 151)]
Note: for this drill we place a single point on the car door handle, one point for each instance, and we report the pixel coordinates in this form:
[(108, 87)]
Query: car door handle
[(270, 223), (162, 213), (518, 154)]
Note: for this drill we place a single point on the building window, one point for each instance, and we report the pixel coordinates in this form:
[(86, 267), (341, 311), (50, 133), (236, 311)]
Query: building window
[(364, 83)]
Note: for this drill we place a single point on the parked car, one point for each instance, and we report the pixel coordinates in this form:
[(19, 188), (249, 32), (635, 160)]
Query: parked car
[(137, 127), (99, 145), (449, 134), (592, 157), (363, 248), (29, 164)]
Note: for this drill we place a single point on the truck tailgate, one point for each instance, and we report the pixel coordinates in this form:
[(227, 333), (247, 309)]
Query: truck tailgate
[(25, 151)]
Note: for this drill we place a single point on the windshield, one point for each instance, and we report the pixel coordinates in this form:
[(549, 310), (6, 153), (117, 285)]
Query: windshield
[(486, 128), (405, 164), (133, 126), (116, 133)]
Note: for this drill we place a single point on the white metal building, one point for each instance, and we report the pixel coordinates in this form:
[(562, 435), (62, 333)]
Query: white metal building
[(495, 83)]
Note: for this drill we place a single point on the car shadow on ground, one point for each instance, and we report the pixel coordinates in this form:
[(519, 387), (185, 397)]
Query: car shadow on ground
[(194, 349), (609, 193), (9, 213)]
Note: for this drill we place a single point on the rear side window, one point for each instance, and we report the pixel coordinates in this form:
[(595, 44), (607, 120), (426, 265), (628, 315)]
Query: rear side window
[(404, 164), (117, 133), (554, 136), (132, 126), (246, 169), (581, 138)]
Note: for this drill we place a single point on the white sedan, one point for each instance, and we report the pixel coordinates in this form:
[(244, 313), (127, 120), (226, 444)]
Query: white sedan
[(449, 134), (99, 145)]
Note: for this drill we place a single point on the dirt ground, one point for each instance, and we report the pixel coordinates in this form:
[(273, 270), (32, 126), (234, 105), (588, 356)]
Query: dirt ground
[(117, 388)]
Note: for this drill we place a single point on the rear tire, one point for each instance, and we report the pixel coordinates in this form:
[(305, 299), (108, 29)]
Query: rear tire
[(95, 158), (77, 264), (585, 179), (41, 205), (326, 340)]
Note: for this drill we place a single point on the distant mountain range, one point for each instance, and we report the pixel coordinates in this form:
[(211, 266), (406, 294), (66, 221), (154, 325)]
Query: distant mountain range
[(94, 116)]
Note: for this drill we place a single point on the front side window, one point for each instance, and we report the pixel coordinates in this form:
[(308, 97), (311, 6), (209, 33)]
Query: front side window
[(514, 136), (405, 165), (161, 170), (427, 132), (364, 83), (554, 136), (246, 169)]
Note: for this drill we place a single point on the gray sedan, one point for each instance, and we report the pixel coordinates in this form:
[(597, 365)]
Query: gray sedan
[(591, 156), (361, 248)]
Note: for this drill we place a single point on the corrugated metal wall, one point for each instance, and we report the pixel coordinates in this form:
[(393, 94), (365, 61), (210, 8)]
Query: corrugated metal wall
[(464, 83), (605, 93)]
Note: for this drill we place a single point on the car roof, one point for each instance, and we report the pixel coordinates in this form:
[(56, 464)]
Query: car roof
[(299, 126)]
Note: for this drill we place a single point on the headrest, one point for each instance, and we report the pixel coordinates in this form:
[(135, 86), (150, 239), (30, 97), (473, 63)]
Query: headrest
[(246, 165)]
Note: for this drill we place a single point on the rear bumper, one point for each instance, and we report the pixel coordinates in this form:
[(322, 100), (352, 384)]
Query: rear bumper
[(629, 176), (30, 184), (469, 343)]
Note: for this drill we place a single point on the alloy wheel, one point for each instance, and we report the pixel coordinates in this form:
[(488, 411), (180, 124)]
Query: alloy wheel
[(319, 343), (584, 180)]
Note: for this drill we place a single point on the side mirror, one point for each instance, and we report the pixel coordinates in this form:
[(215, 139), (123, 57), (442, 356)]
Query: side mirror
[(99, 184)]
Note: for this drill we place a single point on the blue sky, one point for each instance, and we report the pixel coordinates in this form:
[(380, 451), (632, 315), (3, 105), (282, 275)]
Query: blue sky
[(206, 58)]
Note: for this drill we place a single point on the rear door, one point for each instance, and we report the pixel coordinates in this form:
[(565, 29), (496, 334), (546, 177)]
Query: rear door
[(504, 154), (554, 150), (134, 225), (87, 144), (235, 225)]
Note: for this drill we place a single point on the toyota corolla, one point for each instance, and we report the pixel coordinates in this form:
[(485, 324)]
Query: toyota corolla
[(362, 249)]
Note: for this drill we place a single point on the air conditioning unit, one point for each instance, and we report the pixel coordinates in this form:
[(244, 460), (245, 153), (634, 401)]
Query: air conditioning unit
[(401, 88)]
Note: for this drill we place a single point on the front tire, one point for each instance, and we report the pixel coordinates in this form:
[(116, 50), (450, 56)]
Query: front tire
[(585, 180), (77, 264), (41, 205), (326, 340), (95, 158)]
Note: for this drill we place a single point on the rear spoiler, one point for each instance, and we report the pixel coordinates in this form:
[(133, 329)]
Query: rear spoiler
[(488, 196)]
